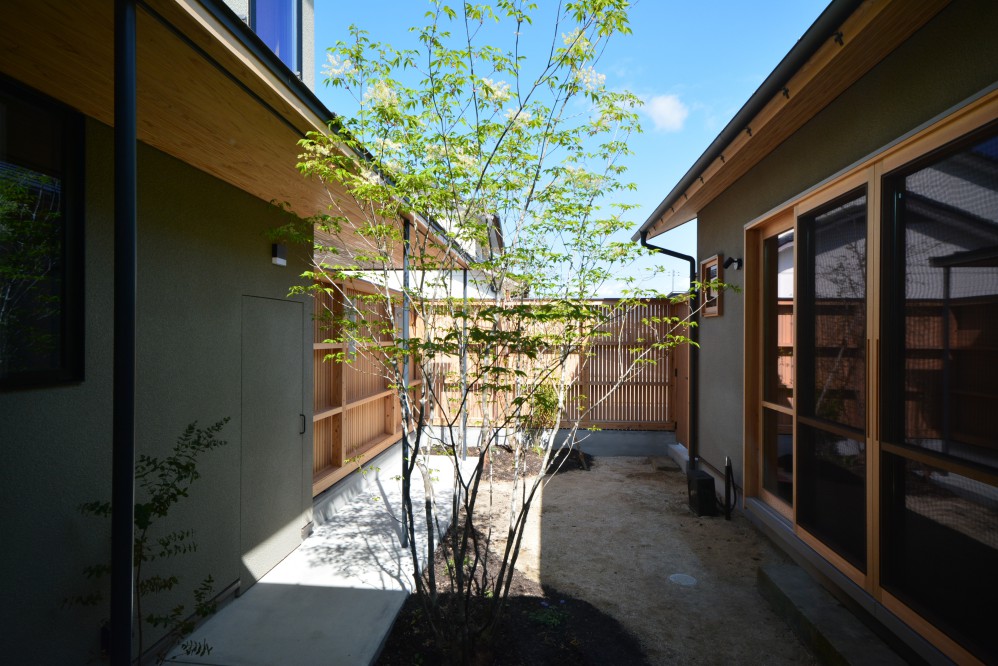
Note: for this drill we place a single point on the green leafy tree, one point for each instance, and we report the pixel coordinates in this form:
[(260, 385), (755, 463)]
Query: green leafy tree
[(464, 156)]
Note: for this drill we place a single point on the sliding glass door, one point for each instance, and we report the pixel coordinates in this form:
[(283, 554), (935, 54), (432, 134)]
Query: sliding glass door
[(831, 376), (939, 490)]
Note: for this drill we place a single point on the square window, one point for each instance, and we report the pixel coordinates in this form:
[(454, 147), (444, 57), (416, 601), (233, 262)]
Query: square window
[(41, 257), (710, 293)]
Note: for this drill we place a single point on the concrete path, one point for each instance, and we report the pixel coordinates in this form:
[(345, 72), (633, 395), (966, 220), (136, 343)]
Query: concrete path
[(334, 599)]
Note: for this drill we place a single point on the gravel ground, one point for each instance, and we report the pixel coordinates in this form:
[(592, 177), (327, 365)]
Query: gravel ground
[(622, 538)]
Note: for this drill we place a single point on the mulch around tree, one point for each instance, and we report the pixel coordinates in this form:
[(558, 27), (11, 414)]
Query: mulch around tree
[(540, 626)]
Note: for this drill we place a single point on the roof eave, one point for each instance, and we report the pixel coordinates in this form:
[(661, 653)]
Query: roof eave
[(820, 31)]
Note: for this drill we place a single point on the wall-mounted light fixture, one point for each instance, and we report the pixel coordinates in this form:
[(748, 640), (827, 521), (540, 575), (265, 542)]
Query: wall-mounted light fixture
[(731, 261), (279, 254)]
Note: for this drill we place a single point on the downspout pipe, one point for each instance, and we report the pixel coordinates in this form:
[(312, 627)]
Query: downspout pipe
[(123, 391), (694, 335)]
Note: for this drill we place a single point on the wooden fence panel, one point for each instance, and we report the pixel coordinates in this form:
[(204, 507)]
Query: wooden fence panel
[(645, 400), (356, 412)]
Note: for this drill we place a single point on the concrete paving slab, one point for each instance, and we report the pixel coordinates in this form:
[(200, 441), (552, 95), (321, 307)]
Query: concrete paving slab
[(333, 600), (835, 635)]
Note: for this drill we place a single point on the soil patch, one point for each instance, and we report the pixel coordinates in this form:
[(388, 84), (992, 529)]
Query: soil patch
[(545, 628), (567, 460)]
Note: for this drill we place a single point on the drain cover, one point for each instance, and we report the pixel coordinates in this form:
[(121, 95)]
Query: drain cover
[(683, 579)]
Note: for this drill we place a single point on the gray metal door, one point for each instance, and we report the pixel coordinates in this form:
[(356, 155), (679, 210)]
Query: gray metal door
[(272, 511)]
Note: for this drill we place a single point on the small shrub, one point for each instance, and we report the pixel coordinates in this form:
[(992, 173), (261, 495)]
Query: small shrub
[(162, 483)]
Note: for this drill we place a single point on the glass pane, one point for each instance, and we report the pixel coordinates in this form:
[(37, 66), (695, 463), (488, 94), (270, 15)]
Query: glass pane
[(831, 496), (275, 21), (30, 270), (778, 454), (940, 550), (778, 318), (32, 242), (832, 313), (948, 212)]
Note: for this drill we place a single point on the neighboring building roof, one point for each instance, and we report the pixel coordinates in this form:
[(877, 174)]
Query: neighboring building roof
[(847, 40)]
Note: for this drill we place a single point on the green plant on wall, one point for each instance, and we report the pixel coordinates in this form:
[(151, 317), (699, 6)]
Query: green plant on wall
[(161, 483)]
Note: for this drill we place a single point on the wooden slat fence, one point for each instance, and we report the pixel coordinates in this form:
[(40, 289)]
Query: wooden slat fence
[(356, 413), (645, 400)]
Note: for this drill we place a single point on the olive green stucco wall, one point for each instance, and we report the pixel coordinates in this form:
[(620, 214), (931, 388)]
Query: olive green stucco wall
[(948, 61), (202, 247)]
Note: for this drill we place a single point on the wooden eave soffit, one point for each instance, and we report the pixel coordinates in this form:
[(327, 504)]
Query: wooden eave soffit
[(202, 96), (872, 32)]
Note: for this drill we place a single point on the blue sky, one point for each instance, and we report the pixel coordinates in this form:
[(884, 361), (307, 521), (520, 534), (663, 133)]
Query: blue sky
[(693, 63)]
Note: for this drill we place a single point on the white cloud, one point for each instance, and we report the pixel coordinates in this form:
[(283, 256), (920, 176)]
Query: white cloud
[(667, 112)]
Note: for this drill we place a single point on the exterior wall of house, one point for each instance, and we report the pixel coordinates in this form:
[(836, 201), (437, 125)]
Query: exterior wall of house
[(943, 64), (850, 545), (202, 249)]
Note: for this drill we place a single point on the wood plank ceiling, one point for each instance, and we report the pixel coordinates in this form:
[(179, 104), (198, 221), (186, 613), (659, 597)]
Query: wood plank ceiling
[(203, 97)]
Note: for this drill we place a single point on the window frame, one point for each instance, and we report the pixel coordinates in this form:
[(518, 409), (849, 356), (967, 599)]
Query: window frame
[(892, 319), (918, 147), (72, 329), (298, 31), (712, 299)]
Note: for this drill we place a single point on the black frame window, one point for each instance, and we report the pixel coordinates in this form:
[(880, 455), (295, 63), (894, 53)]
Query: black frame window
[(41, 241)]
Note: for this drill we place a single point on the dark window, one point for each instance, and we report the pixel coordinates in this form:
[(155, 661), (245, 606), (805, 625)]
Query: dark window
[(278, 23), (940, 549), (778, 318), (831, 376), (939, 398), (41, 267), (778, 454), (941, 236)]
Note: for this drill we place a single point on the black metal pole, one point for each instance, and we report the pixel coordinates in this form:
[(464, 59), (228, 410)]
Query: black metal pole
[(694, 336), (125, 234)]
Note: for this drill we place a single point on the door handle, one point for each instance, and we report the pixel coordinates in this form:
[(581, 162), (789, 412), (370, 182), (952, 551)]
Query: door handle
[(302, 431)]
